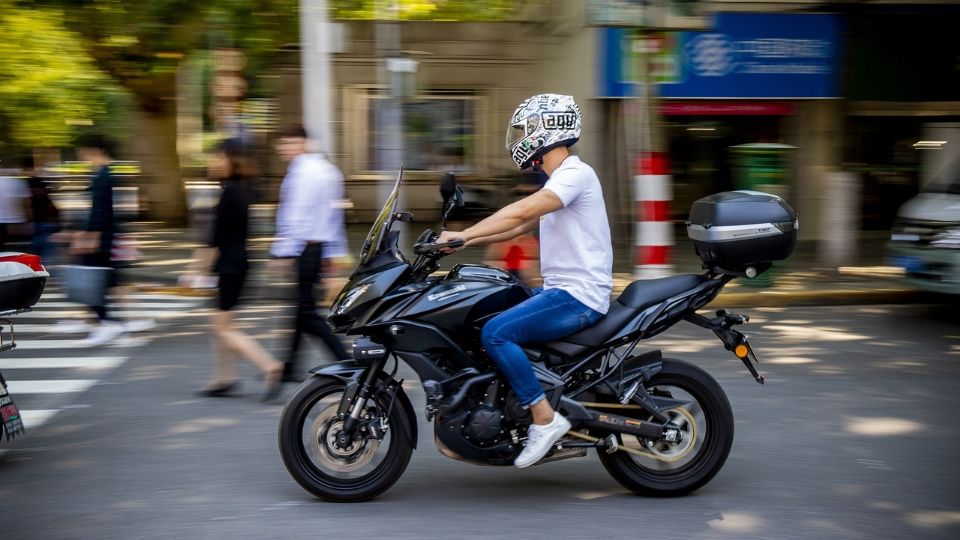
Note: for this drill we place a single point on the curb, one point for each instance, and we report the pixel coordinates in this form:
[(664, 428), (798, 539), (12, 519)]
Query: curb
[(178, 291), (824, 297)]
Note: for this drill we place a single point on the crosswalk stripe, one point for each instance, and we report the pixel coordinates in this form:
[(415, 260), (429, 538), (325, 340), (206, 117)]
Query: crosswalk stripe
[(36, 417), (91, 362), (67, 314), (48, 344), (172, 297), (119, 305), (58, 386)]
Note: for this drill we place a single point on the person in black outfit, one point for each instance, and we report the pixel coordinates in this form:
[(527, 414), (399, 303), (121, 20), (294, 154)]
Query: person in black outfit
[(94, 244), (229, 237), (44, 214)]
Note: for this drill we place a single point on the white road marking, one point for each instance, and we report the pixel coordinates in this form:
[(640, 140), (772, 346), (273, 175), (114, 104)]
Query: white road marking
[(118, 305), (53, 344), (92, 362), (49, 387), (36, 417)]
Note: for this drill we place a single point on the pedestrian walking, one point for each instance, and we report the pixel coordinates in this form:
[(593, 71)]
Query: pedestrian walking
[(102, 248), (230, 231), (310, 232), (43, 213), (14, 207)]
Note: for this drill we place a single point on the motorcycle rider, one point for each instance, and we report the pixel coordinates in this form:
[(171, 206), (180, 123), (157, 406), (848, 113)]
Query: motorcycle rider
[(576, 255)]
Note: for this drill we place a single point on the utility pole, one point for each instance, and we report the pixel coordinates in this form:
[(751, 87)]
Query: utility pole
[(316, 45)]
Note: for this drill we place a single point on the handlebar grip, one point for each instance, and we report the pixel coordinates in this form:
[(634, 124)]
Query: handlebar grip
[(420, 249)]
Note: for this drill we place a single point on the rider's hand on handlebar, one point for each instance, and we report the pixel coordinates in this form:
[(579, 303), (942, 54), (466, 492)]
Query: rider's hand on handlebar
[(450, 236)]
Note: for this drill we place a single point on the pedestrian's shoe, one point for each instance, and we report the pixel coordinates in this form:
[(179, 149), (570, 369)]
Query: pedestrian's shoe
[(71, 327), (540, 439), (106, 332), (219, 390), (142, 325), (274, 379)]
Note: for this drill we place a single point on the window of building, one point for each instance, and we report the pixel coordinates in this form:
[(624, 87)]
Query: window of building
[(440, 132)]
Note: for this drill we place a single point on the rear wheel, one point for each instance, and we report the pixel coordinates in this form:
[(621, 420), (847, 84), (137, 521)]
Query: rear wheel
[(308, 444), (705, 422)]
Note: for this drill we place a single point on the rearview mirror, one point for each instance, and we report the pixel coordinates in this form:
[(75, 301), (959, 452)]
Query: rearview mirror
[(448, 187), (455, 200)]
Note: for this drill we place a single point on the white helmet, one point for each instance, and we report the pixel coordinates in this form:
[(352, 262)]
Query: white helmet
[(540, 124)]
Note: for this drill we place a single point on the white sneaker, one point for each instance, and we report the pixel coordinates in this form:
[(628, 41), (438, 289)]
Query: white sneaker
[(540, 439), (106, 332), (71, 327), (141, 325)]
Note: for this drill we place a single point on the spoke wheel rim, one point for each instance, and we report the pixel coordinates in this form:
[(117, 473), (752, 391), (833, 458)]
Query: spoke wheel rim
[(662, 457), (360, 463)]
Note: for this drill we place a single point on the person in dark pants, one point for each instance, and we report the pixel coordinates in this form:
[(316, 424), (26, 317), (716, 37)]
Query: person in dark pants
[(229, 238), (44, 214), (94, 244), (310, 230)]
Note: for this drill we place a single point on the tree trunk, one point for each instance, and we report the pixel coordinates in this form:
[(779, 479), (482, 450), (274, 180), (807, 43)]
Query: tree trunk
[(155, 146)]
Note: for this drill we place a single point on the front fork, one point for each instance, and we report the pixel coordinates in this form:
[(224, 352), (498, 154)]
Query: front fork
[(355, 398)]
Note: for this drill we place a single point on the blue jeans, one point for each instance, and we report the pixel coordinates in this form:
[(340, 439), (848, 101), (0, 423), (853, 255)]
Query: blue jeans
[(549, 315)]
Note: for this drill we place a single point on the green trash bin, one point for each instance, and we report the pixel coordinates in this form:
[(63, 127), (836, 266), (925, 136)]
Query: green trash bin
[(762, 167)]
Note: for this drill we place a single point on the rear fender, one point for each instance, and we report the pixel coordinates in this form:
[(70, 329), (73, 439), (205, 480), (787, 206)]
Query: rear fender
[(350, 373)]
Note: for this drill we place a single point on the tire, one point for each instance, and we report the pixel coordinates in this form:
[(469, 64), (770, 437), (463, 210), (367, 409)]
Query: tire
[(715, 442), (320, 481)]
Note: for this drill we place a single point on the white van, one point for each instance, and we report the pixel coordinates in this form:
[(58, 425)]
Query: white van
[(925, 239)]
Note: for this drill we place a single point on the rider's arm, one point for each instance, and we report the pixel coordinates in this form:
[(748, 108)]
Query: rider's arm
[(509, 235), (509, 218)]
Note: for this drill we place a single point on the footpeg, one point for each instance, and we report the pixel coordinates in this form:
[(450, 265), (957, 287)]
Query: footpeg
[(611, 444)]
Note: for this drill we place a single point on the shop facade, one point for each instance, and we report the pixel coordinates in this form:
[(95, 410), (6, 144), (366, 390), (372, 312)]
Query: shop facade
[(750, 80)]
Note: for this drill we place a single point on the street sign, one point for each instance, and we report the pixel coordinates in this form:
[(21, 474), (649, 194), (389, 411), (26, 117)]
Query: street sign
[(742, 55)]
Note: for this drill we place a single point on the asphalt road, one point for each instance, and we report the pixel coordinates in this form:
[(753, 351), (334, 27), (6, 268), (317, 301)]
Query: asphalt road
[(853, 436)]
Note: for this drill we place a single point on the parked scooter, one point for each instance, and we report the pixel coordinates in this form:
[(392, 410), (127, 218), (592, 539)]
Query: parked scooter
[(22, 279)]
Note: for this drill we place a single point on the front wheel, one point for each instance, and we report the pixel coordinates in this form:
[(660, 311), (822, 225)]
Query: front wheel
[(308, 445), (660, 468)]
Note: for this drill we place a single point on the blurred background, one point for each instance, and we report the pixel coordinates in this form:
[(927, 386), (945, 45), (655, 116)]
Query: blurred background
[(850, 110), (847, 109)]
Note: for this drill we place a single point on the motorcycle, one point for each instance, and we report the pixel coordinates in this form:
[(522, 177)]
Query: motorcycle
[(661, 426)]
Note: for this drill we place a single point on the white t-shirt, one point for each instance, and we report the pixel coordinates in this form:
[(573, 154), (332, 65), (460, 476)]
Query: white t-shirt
[(12, 193), (575, 250)]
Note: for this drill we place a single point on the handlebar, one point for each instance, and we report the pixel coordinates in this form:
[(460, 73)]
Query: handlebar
[(425, 248)]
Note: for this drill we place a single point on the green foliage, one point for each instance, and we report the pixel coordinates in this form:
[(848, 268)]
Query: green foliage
[(141, 44), (442, 10), (49, 87)]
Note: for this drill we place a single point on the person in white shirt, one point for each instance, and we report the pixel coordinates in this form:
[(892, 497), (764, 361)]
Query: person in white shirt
[(575, 252), (14, 204), (310, 229)]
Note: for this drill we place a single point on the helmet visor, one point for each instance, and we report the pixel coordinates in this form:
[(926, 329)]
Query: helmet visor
[(519, 130)]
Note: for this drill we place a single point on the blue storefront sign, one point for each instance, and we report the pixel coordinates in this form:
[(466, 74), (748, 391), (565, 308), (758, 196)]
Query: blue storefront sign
[(743, 56)]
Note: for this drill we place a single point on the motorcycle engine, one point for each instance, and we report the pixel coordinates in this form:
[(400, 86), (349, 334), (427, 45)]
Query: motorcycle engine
[(484, 425)]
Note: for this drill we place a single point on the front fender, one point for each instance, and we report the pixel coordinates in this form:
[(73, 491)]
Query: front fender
[(350, 371)]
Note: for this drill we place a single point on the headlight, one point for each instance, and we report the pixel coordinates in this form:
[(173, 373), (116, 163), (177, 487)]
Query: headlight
[(947, 239), (351, 297)]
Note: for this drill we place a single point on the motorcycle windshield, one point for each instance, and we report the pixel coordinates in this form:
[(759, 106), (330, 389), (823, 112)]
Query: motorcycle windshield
[(373, 245)]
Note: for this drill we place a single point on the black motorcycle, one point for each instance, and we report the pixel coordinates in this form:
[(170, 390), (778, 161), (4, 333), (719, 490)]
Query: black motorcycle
[(661, 426)]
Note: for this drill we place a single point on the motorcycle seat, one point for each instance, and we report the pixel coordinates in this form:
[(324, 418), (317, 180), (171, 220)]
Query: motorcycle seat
[(637, 297)]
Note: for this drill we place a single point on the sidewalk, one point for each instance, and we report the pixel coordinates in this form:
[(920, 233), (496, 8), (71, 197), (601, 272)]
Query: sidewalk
[(798, 281)]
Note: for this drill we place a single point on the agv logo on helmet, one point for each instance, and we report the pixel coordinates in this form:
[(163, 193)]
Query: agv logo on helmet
[(542, 123)]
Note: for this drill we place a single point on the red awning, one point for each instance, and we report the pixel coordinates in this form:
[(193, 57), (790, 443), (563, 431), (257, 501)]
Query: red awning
[(727, 108)]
